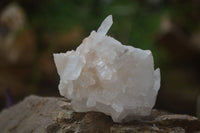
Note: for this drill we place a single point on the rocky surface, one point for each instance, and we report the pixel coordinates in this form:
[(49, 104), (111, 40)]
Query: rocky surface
[(54, 115)]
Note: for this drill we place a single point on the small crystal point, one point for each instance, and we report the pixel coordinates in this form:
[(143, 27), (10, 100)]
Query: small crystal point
[(105, 26), (104, 75)]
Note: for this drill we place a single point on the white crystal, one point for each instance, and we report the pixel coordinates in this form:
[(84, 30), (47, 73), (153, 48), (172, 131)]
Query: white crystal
[(104, 75)]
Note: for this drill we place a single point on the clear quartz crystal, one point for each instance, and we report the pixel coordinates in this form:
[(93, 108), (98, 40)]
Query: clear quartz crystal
[(105, 76)]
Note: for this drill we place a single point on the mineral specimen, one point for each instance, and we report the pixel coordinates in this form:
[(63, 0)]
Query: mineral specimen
[(104, 75)]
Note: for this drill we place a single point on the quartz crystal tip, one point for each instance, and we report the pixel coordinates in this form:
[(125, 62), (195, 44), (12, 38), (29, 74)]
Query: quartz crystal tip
[(105, 26)]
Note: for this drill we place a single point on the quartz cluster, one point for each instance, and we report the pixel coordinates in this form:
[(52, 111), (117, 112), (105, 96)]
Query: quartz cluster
[(105, 76)]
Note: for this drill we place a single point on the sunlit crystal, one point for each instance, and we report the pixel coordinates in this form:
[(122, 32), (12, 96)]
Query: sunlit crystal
[(104, 75)]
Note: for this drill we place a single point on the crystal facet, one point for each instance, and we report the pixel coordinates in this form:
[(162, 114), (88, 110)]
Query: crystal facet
[(104, 75)]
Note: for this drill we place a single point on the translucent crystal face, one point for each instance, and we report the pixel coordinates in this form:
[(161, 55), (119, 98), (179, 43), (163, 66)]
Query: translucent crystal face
[(104, 75)]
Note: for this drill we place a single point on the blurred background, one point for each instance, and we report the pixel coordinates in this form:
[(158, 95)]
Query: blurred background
[(32, 30)]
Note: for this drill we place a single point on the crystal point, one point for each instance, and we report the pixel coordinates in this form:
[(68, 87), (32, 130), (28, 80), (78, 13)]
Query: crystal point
[(104, 75)]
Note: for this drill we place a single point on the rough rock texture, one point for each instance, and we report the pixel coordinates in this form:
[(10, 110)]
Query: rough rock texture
[(105, 76), (54, 115)]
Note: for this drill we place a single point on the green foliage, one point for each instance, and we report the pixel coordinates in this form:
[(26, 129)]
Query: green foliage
[(59, 15), (134, 24)]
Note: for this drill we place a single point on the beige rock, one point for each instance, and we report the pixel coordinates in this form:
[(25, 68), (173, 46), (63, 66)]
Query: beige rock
[(49, 115)]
